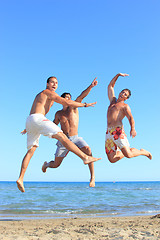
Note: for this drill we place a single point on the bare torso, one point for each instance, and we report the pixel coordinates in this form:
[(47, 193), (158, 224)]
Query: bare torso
[(115, 113), (42, 103), (69, 119)]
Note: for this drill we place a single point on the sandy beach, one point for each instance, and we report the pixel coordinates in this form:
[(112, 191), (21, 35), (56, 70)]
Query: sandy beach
[(135, 227)]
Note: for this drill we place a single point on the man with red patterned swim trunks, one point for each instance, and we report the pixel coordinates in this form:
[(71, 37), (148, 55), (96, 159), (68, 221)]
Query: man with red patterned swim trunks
[(116, 142)]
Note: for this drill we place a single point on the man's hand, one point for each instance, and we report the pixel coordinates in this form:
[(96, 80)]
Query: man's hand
[(24, 132), (123, 74), (90, 104), (133, 133), (94, 83), (86, 91), (111, 85)]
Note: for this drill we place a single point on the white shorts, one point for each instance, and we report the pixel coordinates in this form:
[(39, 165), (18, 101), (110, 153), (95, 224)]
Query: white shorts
[(37, 124), (62, 151)]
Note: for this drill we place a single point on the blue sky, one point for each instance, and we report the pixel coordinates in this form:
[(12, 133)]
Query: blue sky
[(77, 41)]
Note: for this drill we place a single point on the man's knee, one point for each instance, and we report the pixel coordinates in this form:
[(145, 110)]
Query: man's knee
[(60, 136), (87, 150), (32, 150), (58, 161), (57, 164), (111, 158), (127, 153)]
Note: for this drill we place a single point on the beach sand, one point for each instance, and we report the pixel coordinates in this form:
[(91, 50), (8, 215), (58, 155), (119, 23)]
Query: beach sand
[(137, 227)]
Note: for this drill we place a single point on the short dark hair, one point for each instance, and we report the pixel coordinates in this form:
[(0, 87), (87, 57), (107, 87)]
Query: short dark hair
[(50, 78), (65, 93), (128, 91)]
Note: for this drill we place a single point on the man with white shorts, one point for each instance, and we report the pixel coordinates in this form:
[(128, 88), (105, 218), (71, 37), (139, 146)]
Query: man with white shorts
[(38, 124)]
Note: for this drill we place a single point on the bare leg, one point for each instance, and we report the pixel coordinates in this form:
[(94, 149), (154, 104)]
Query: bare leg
[(129, 153), (52, 164), (133, 152), (58, 160), (73, 148), (24, 166), (115, 156), (87, 151)]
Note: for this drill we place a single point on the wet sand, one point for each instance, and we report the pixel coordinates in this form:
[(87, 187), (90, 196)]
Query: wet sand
[(134, 227)]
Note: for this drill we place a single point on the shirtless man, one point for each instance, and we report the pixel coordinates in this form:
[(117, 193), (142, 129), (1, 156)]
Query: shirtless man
[(116, 139), (68, 118), (37, 124)]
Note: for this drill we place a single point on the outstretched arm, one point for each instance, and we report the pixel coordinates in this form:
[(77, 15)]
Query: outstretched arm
[(65, 102), (86, 91), (111, 94), (131, 121)]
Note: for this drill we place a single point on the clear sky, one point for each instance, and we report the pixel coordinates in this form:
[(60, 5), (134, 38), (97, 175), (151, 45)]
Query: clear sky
[(77, 41)]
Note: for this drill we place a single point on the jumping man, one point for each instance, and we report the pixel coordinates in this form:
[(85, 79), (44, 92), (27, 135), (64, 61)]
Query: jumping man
[(37, 124), (116, 139), (68, 117)]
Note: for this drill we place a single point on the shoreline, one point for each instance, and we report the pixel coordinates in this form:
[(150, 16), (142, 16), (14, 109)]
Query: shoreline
[(21, 217), (130, 227)]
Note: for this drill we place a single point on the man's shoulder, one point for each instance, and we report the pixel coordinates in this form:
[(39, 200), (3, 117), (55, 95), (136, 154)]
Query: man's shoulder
[(48, 91), (125, 105), (44, 92), (49, 94), (40, 93)]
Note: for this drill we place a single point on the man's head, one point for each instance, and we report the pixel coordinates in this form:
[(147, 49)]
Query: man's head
[(52, 83), (66, 95), (124, 94)]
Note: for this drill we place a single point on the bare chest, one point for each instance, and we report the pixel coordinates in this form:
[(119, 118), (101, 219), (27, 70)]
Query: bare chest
[(69, 116), (116, 108)]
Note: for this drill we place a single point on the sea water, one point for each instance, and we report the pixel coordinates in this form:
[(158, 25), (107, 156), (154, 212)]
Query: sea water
[(77, 199)]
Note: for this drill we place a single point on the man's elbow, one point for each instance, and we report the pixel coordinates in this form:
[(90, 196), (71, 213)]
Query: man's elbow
[(110, 87)]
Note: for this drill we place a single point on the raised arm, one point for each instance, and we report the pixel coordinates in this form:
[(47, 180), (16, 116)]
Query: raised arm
[(86, 91), (111, 94), (131, 121)]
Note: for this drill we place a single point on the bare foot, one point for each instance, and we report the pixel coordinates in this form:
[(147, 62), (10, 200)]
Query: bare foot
[(92, 182), (44, 167), (20, 186), (90, 159), (147, 154)]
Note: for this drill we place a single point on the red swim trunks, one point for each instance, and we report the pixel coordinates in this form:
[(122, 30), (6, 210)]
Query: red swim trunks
[(115, 138)]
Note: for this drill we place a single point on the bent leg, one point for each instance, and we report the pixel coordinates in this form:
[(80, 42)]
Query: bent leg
[(115, 156), (73, 148), (24, 166), (87, 151), (52, 164), (133, 152)]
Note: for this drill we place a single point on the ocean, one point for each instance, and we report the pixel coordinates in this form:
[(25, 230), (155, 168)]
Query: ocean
[(77, 199)]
